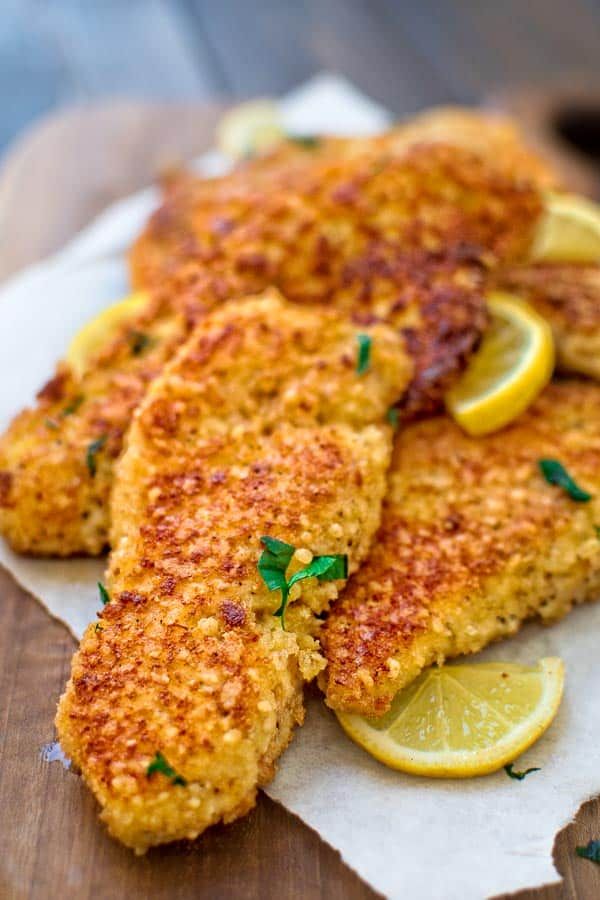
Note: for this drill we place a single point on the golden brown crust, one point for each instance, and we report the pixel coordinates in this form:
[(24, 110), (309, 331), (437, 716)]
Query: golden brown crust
[(473, 541), (57, 500), (491, 135), (568, 296), (402, 237), (261, 425)]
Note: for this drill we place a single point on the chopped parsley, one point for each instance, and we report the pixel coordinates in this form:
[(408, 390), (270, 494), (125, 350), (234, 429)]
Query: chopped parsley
[(51, 424), (555, 473), (308, 141), (139, 342), (277, 556), (591, 851), (73, 406), (363, 359), (98, 626), (92, 452), (104, 595), (392, 417), (597, 530), (519, 776), (160, 764)]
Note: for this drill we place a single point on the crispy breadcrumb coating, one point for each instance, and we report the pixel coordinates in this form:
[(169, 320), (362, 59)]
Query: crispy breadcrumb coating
[(404, 238), (490, 134), (473, 542), (260, 426)]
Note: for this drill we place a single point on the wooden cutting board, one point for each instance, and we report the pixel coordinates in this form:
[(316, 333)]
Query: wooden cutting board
[(57, 177)]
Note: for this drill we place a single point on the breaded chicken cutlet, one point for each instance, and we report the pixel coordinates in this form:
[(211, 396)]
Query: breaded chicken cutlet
[(262, 425), (400, 238), (569, 298), (473, 542), (487, 133)]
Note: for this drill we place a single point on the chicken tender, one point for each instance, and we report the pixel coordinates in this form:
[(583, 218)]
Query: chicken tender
[(400, 238), (262, 425), (57, 459), (473, 542), (568, 296)]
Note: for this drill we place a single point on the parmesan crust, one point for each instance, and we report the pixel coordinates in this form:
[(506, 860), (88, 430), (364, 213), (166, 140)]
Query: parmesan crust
[(473, 542), (568, 296), (388, 230), (260, 426)]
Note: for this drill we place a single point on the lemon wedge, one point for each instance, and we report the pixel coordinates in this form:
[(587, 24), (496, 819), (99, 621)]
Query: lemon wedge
[(93, 336), (569, 231), (249, 128), (458, 721), (513, 364)]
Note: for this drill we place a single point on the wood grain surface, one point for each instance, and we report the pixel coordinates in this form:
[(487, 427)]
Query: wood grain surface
[(51, 844)]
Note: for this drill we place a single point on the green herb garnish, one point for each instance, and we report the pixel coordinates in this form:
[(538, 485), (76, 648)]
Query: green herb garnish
[(392, 417), (139, 342), (519, 776), (597, 530), (104, 595), (51, 424), (73, 406), (98, 626), (275, 559), (160, 764), (363, 359), (555, 473), (92, 452), (308, 141), (591, 851)]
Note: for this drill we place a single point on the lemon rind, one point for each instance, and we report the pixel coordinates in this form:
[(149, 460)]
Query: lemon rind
[(90, 338), (509, 397)]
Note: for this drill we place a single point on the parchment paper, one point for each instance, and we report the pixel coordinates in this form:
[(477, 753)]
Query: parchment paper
[(408, 837)]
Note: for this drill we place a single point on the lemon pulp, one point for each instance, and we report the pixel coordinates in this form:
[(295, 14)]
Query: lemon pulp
[(249, 128), (569, 231), (459, 721)]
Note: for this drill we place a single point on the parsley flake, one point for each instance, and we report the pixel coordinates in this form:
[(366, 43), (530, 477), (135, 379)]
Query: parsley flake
[(597, 530), (308, 141), (92, 452), (51, 424), (277, 556), (591, 851), (104, 595), (98, 626), (139, 342), (363, 360), (519, 776), (73, 406), (555, 473), (160, 764), (392, 417)]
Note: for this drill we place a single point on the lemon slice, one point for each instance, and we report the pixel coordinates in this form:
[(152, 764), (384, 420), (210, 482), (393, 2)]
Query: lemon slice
[(93, 336), (249, 128), (463, 720), (513, 364), (569, 231)]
